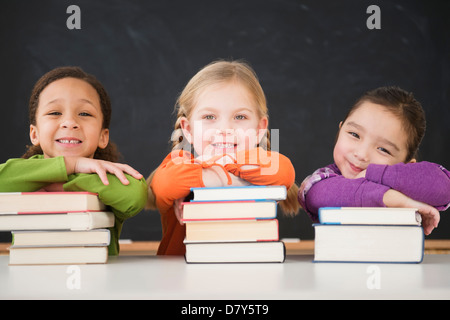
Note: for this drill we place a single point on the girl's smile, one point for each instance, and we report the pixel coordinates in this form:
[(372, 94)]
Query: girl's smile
[(354, 168), (69, 142)]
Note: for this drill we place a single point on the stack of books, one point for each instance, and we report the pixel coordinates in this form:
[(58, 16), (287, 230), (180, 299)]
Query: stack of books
[(56, 227), (233, 225), (382, 235)]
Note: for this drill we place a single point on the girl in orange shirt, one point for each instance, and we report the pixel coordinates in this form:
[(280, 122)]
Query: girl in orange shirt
[(221, 138)]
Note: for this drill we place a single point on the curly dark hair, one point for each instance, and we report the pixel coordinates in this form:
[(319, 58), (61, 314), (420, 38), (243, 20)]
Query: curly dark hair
[(110, 153)]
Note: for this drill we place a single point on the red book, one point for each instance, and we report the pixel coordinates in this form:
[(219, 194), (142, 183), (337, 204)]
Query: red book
[(229, 210), (232, 231)]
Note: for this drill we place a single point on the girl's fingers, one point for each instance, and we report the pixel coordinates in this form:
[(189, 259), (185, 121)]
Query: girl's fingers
[(84, 165), (101, 172), (430, 218), (129, 170), (117, 171)]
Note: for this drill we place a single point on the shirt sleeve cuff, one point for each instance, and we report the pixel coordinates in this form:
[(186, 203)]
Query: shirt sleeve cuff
[(375, 173), (372, 195)]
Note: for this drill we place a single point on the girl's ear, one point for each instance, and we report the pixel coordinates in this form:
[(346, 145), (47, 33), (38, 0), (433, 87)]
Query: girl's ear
[(104, 139), (262, 128), (340, 124), (413, 160), (34, 135), (186, 128)]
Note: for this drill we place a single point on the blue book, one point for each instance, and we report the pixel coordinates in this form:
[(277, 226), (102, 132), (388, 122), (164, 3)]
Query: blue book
[(240, 193)]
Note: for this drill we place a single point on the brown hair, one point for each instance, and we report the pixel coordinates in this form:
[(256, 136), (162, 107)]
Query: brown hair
[(110, 153), (214, 73), (405, 107)]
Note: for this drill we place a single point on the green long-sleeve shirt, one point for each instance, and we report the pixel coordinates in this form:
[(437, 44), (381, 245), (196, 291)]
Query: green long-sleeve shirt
[(28, 175)]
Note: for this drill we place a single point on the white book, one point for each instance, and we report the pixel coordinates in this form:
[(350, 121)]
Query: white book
[(56, 221), (61, 238), (368, 243), (48, 202), (56, 255), (237, 252)]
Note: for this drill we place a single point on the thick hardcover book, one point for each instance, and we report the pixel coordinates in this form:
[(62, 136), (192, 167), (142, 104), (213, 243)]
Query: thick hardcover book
[(368, 243), (240, 252)]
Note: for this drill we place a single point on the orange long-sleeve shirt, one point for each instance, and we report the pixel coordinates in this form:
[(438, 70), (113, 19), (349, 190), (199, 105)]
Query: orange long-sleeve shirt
[(179, 172)]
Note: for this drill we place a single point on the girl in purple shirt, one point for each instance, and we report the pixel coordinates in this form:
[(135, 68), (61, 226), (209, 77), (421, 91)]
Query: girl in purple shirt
[(375, 161)]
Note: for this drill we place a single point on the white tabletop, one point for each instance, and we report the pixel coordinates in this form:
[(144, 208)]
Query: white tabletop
[(151, 277)]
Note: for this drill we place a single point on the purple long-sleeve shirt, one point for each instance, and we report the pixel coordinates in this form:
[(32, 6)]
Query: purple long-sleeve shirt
[(422, 181)]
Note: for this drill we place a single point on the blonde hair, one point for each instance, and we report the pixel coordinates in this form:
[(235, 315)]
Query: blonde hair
[(214, 73)]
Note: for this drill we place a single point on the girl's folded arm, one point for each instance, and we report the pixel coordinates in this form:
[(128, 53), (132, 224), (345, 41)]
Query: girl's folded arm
[(422, 181), (28, 175), (173, 180), (264, 168), (126, 200), (338, 191)]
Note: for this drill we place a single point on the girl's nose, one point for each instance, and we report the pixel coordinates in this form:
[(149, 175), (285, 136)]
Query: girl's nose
[(225, 128), (362, 154), (69, 123), (225, 131)]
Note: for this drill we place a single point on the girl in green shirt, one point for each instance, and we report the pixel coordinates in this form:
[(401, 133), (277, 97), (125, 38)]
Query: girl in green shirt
[(70, 114)]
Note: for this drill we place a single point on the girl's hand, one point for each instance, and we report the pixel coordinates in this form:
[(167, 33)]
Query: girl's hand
[(430, 215), (215, 177), (222, 160), (362, 174), (54, 187), (100, 167), (178, 208)]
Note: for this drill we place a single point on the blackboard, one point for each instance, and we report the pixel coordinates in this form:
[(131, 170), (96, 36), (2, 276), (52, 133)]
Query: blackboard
[(313, 58)]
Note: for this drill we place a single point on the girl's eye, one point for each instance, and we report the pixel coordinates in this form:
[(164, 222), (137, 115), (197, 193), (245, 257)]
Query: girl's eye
[(240, 117), (85, 114), (354, 134), (209, 117), (54, 113), (384, 150)]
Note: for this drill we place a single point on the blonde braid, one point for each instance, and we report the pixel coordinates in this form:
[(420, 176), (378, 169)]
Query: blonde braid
[(177, 135), (265, 141)]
